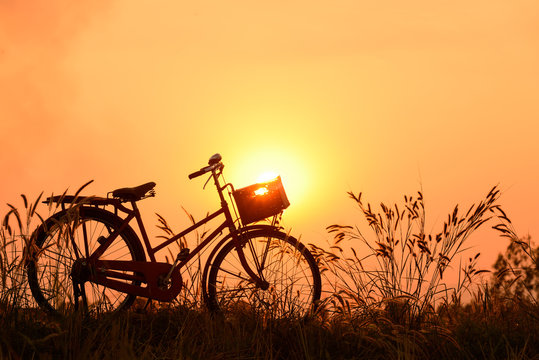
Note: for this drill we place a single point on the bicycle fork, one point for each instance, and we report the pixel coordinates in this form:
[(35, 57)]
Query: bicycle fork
[(256, 277)]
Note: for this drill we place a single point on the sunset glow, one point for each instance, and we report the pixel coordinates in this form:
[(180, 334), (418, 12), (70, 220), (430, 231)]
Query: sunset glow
[(385, 98), (267, 176), (265, 165)]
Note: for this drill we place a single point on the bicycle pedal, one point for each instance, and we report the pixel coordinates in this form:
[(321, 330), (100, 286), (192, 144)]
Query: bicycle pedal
[(183, 254)]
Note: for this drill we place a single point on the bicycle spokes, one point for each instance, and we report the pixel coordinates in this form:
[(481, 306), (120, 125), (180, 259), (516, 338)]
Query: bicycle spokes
[(284, 264)]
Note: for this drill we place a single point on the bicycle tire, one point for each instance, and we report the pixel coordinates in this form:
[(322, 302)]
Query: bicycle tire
[(288, 266), (59, 242)]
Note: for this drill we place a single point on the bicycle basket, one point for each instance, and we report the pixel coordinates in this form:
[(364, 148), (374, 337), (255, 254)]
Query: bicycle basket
[(259, 201)]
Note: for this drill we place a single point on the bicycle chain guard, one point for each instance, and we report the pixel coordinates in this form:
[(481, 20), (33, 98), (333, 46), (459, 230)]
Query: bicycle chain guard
[(124, 276)]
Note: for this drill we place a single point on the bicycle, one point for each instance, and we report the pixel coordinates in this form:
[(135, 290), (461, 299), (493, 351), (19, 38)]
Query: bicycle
[(87, 258)]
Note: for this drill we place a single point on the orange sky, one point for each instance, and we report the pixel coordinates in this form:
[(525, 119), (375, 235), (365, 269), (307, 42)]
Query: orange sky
[(381, 97)]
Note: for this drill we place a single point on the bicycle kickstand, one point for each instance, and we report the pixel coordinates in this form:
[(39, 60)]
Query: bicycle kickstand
[(79, 292)]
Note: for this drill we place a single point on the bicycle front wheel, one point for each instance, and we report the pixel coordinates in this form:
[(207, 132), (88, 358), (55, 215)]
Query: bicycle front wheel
[(70, 236), (280, 260)]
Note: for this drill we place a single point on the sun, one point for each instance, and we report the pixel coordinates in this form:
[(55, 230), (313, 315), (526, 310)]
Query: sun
[(267, 176), (265, 165)]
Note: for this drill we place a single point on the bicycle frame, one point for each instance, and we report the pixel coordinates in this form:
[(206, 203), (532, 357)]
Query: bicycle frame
[(150, 268)]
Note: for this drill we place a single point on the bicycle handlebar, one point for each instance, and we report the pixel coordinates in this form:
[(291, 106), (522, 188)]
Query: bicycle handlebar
[(204, 170), (197, 173)]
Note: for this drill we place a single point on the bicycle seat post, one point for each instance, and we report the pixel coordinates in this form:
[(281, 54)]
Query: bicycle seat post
[(136, 213)]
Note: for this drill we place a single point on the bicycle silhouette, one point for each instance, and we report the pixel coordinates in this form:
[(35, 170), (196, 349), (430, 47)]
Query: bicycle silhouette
[(87, 258)]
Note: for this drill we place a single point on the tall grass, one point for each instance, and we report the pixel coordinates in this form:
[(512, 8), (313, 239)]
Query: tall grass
[(398, 267), (15, 237), (387, 297)]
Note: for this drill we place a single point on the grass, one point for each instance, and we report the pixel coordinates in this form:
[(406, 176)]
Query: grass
[(400, 267), (385, 297)]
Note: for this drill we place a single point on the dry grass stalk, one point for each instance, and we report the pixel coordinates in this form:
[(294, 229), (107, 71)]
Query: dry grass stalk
[(401, 267)]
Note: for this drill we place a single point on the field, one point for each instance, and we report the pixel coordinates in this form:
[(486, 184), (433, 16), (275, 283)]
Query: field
[(385, 296)]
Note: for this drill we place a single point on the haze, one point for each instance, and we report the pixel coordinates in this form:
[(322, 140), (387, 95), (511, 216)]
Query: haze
[(383, 98)]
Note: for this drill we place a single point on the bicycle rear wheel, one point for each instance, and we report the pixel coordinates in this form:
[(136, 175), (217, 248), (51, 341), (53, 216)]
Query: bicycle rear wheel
[(70, 236), (286, 264)]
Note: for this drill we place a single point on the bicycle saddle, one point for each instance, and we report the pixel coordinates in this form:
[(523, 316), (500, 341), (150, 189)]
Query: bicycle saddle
[(135, 193)]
